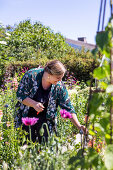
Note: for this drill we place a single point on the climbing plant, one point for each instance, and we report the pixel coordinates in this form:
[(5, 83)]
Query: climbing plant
[(100, 111)]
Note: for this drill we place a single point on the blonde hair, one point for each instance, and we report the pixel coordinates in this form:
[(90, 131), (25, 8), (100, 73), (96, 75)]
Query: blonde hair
[(55, 67)]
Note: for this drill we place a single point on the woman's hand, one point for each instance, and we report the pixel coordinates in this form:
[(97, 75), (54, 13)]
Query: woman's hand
[(83, 128), (77, 123), (39, 107)]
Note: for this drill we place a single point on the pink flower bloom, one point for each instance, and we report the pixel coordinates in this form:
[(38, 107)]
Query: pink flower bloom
[(1, 138), (65, 114), (7, 143), (15, 83), (8, 124), (1, 113), (29, 121)]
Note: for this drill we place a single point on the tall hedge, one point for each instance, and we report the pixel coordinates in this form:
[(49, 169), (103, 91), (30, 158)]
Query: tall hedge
[(34, 44)]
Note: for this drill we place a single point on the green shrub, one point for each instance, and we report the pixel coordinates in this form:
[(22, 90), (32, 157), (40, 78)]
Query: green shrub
[(30, 45), (81, 64), (27, 39), (81, 68)]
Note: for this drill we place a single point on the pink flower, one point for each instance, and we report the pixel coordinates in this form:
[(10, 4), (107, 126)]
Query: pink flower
[(7, 143), (15, 83), (29, 121), (65, 114), (8, 124), (1, 138), (1, 113)]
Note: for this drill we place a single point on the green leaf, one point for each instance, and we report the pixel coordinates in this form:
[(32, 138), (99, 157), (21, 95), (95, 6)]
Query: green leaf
[(77, 161), (109, 157), (95, 103), (99, 73), (107, 136), (102, 39), (98, 127), (92, 157), (103, 85), (91, 133)]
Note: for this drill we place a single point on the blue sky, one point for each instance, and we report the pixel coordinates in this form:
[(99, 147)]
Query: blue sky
[(72, 18)]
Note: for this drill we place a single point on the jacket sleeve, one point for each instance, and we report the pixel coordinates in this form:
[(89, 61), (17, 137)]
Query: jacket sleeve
[(63, 99), (24, 87)]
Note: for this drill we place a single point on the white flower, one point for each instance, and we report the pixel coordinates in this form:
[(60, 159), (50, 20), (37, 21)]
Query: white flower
[(20, 153), (64, 149), (24, 147), (5, 166), (8, 34), (7, 37), (3, 42), (78, 138)]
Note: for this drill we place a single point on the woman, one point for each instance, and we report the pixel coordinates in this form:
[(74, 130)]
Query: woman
[(39, 94)]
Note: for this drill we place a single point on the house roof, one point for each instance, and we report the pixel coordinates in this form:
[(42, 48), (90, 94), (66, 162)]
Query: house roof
[(80, 44)]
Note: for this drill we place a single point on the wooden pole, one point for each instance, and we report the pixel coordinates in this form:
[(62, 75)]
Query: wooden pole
[(111, 110), (111, 5)]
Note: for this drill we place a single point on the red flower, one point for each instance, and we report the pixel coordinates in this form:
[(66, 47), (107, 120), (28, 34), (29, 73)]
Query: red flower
[(91, 143)]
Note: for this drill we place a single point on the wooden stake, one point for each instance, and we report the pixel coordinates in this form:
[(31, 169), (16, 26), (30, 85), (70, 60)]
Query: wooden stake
[(111, 110)]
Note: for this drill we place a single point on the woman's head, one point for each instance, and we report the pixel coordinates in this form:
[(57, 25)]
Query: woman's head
[(55, 67), (56, 70)]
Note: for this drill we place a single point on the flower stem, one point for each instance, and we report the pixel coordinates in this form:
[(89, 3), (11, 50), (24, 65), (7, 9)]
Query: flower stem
[(30, 132), (46, 128)]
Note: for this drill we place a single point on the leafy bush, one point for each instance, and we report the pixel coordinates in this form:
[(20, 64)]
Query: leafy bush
[(4, 36), (35, 43), (79, 67), (81, 64), (27, 40)]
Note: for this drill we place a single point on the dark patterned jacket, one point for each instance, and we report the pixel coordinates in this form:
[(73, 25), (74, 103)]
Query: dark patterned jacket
[(28, 87)]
